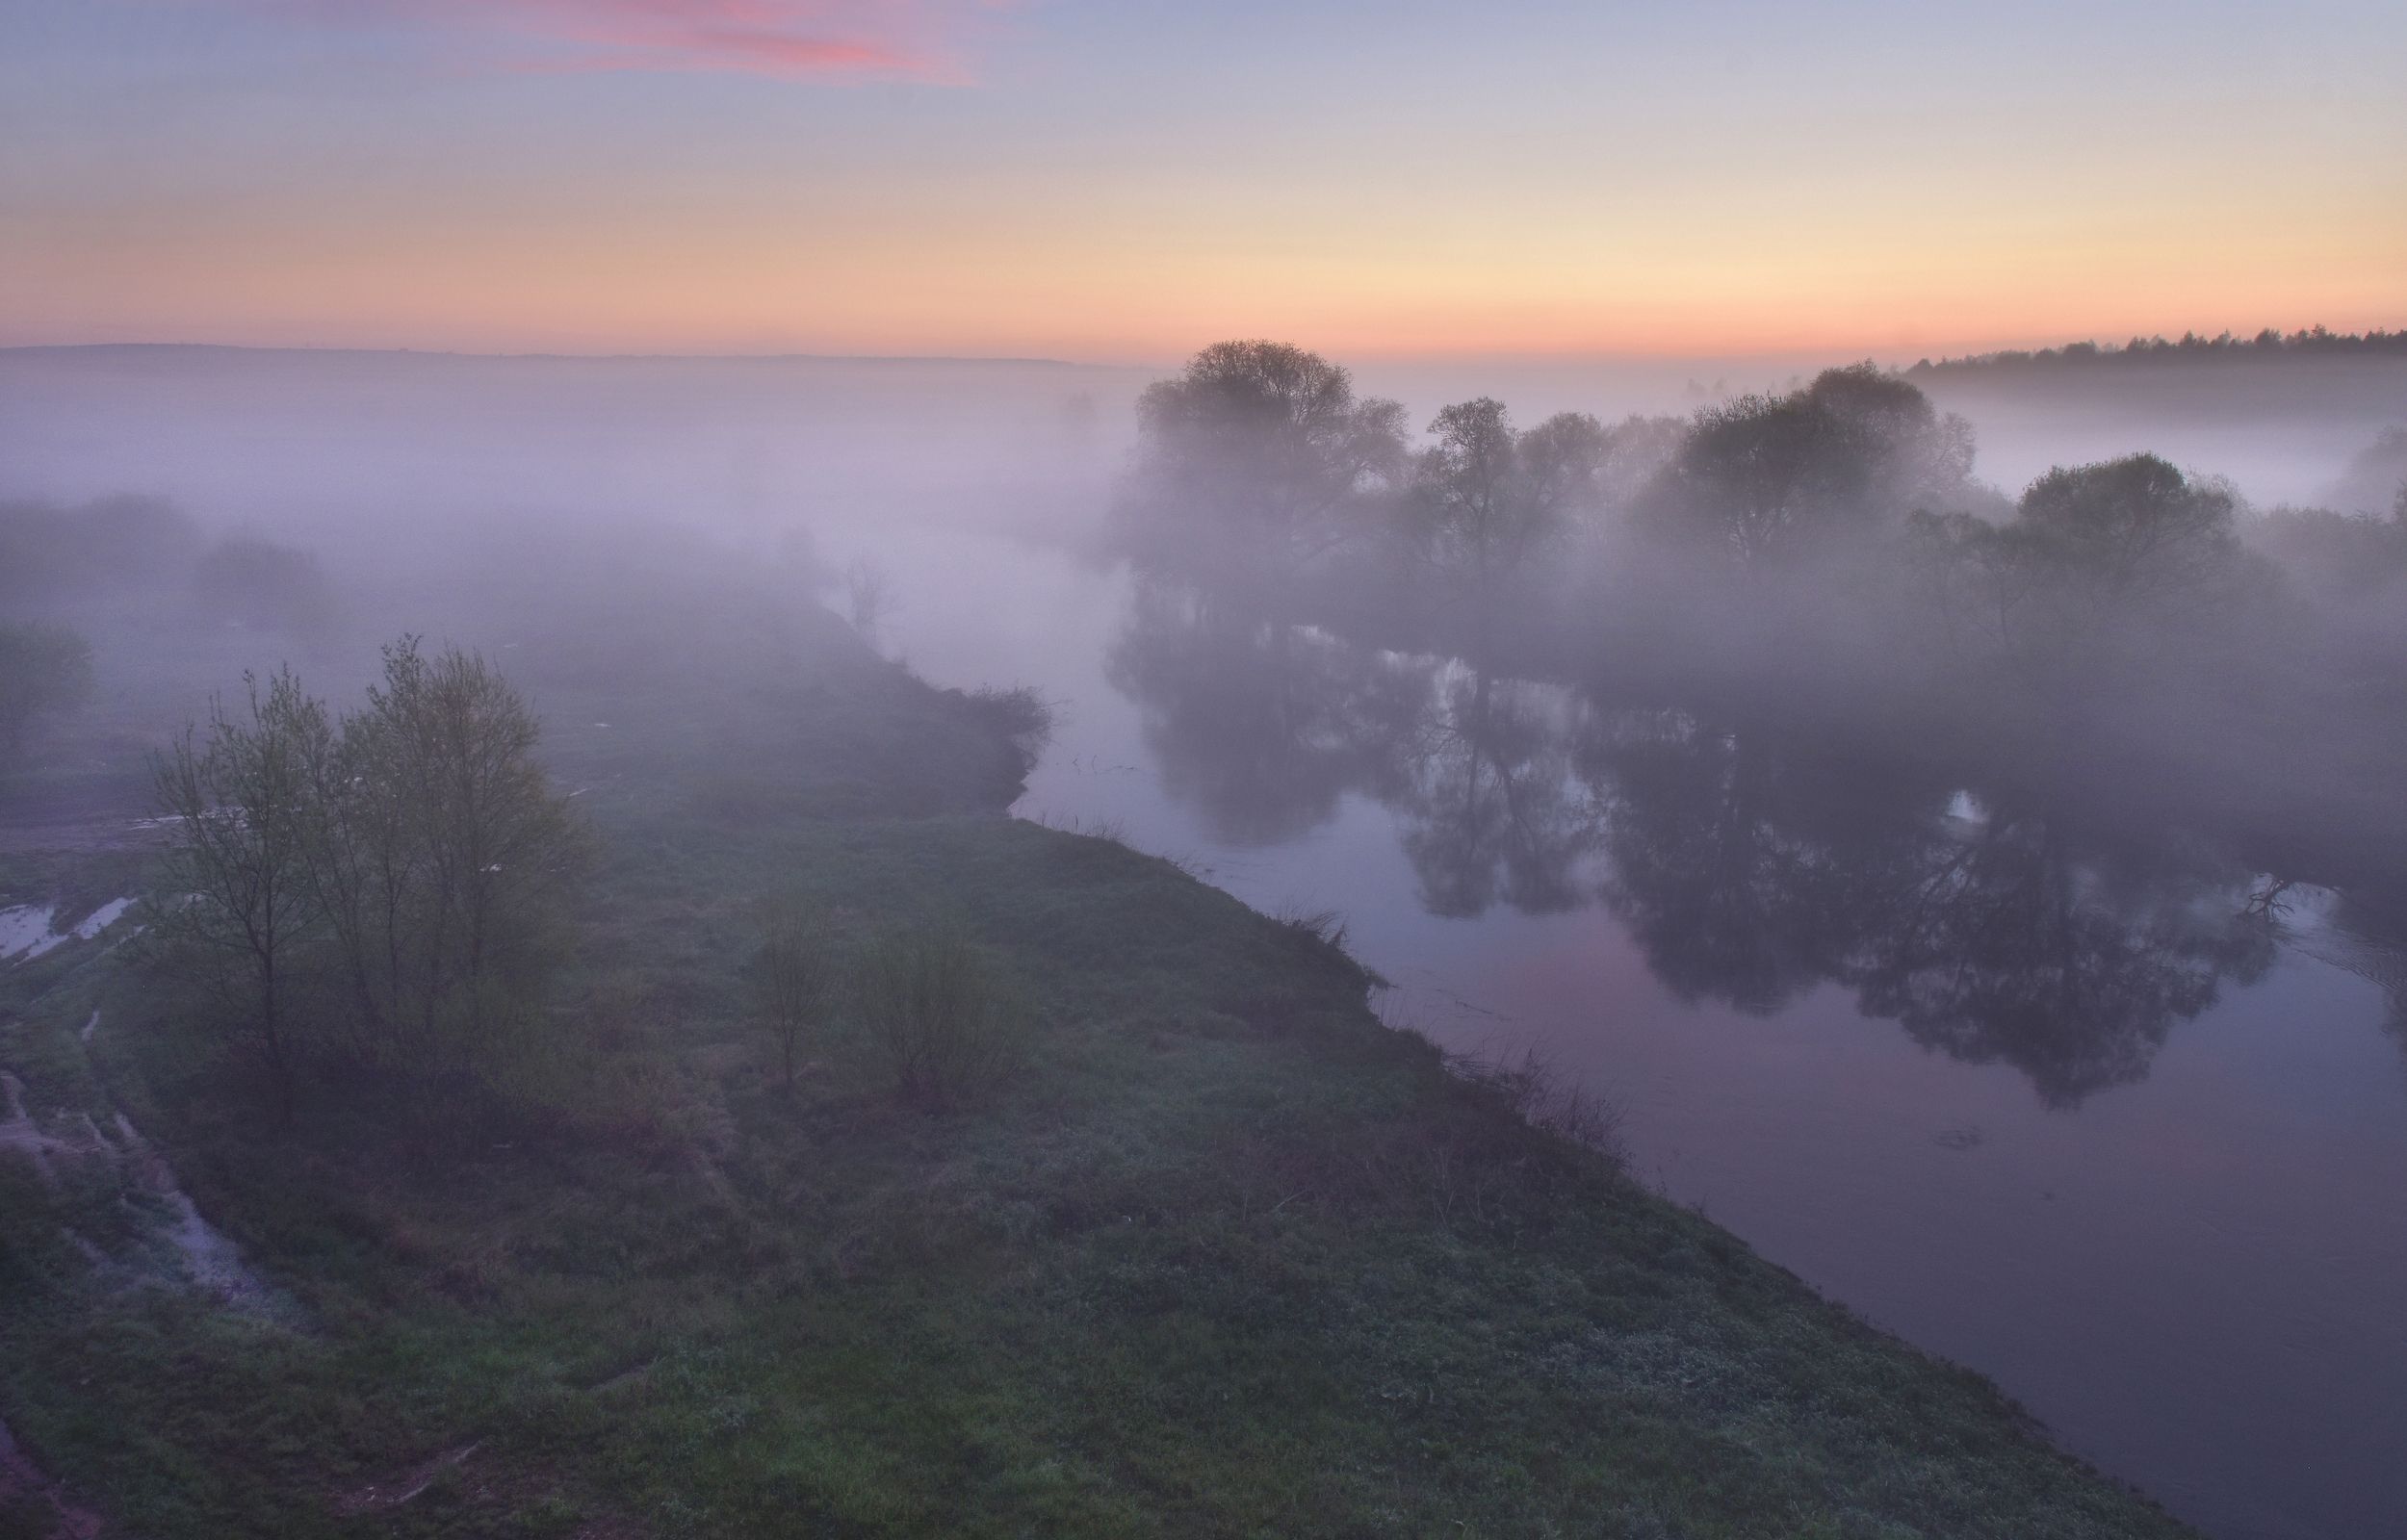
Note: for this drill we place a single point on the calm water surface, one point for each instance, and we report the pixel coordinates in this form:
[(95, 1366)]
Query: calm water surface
[(2160, 1203)]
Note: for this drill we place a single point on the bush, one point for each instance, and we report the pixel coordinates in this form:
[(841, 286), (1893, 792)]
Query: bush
[(43, 670), (265, 587), (1019, 716), (933, 1005), (794, 973)]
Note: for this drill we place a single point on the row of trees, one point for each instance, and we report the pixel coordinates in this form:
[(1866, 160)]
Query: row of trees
[(1259, 456), (116, 552), (1262, 472), (2271, 341), (379, 885), (1259, 463)]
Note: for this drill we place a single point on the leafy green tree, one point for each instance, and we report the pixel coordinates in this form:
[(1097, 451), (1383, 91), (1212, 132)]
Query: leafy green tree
[(2130, 531), (1771, 480), (239, 907), (412, 856), (2106, 563), (441, 855)]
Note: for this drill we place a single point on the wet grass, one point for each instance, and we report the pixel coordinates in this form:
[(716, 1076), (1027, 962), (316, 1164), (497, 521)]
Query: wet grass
[(1224, 1256)]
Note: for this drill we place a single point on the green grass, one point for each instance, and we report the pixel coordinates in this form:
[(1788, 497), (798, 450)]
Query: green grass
[(1224, 1256)]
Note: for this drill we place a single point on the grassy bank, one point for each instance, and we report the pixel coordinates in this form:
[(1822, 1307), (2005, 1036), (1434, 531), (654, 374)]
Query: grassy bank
[(1224, 1256)]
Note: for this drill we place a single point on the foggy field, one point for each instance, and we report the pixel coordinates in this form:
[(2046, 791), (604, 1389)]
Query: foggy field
[(591, 1265), (930, 768), (1192, 1269)]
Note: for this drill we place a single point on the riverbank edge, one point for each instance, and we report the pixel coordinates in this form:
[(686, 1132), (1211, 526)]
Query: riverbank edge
[(1413, 1169)]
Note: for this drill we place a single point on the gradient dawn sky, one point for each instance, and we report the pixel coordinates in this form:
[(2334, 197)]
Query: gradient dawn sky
[(1124, 180)]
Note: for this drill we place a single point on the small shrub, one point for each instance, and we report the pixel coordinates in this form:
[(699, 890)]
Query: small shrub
[(1533, 1088), (795, 974), (934, 1008), (1317, 928), (1019, 716)]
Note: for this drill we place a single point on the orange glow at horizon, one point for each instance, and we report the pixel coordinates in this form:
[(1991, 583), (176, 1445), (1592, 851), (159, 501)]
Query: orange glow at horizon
[(408, 174), (1005, 290)]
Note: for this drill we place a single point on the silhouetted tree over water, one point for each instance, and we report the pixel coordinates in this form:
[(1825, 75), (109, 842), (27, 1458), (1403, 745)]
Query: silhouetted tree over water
[(1255, 458), (1742, 716)]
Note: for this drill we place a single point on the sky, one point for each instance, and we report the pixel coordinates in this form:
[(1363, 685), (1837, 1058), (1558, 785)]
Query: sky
[(1123, 182)]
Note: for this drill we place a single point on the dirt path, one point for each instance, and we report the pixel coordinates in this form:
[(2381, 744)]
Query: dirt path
[(23, 1484), (207, 1259)]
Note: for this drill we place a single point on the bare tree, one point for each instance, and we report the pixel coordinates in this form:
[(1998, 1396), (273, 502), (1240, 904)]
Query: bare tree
[(795, 973), (868, 597)]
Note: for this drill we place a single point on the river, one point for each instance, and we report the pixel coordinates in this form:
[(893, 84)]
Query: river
[(2164, 1216)]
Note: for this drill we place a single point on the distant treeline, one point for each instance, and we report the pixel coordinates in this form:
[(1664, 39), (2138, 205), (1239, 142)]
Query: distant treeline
[(2271, 343)]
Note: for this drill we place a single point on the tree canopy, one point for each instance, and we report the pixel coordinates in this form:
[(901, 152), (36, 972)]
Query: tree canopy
[(1253, 453), (1768, 480), (43, 670)]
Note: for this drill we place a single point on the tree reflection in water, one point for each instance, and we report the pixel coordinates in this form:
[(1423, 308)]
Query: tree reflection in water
[(1492, 812), (1748, 863), (1259, 724)]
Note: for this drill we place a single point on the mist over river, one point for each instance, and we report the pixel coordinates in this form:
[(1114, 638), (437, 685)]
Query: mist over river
[(2027, 979), (2180, 1251)]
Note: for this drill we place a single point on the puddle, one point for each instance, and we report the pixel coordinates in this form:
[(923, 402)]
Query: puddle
[(101, 918), (210, 1260), (26, 931)]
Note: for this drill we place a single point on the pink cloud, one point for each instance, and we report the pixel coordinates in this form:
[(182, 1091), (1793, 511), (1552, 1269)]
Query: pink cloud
[(913, 40)]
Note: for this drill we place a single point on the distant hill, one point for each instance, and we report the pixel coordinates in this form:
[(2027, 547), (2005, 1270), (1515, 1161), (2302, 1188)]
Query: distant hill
[(2226, 349), (2286, 416)]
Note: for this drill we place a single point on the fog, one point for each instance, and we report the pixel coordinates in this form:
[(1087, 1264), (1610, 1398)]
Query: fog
[(2039, 713), (316, 503), (384, 481), (352, 444)]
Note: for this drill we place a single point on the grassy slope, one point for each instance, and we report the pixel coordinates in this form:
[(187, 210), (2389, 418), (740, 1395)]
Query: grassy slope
[(1228, 1258)]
